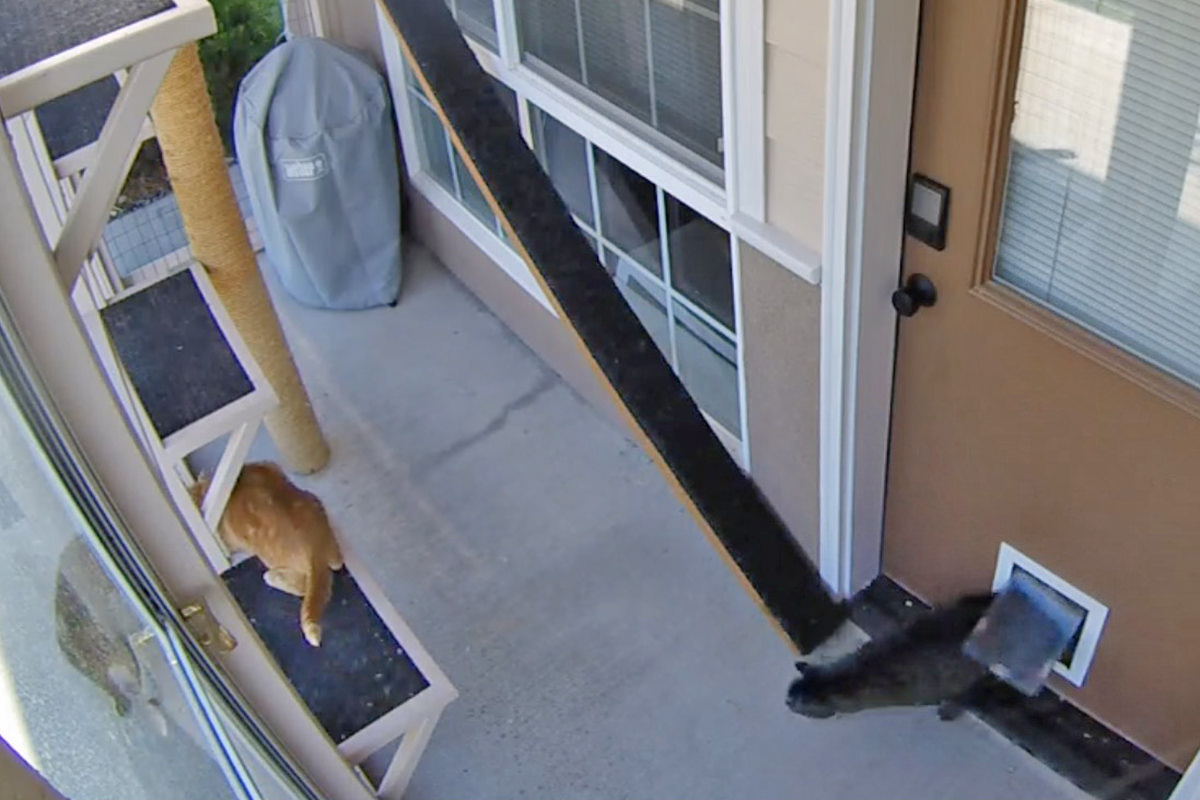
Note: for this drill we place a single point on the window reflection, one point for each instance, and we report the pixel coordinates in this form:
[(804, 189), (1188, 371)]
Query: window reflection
[(701, 265), (563, 154), (628, 210)]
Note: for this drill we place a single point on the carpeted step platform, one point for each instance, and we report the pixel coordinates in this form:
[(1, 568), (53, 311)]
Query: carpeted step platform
[(358, 674), (725, 502), (76, 119), (33, 30), (175, 354)]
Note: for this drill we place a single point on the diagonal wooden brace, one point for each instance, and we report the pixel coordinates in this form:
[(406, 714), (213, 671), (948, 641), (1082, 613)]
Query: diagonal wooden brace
[(113, 157)]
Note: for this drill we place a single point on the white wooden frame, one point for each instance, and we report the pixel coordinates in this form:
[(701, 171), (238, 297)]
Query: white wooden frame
[(28, 286), (75, 162), (53, 185), (53, 188), (128, 487), (78, 66), (872, 67), (415, 718), (1093, 622), (239, 420), (145, 48), (114, 154)]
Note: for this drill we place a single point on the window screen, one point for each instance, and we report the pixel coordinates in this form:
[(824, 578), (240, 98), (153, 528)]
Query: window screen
[(658, 60), (1102, 209)]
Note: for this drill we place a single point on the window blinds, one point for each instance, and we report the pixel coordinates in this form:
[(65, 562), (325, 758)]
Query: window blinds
[(1102, 207)]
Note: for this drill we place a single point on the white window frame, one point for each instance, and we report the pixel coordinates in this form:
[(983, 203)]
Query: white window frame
[(743, 80), (733, 442), (483, 237), (605, 130), (872, 67), (739, 205), (668, 173)]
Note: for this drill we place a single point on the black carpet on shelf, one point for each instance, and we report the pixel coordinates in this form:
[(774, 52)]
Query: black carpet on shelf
[(174, 353), (32, 30), (624, 356), (75, 119), (359, 672)]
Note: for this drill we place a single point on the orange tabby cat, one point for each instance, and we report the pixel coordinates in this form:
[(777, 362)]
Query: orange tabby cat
[(287, 528)]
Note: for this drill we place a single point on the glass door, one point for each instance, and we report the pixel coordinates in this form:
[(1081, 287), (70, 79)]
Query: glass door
[(100, 691), (107, 687)]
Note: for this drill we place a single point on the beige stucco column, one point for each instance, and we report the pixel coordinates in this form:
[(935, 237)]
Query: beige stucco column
[(195, 160)]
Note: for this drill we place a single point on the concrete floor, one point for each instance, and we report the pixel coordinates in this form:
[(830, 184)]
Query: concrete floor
[(601, 647)]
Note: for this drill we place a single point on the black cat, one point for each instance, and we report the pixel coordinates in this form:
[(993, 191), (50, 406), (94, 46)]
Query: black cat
[(93, 623), (922, 664)]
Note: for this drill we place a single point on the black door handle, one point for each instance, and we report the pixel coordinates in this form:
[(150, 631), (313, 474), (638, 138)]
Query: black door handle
[(918, 292)]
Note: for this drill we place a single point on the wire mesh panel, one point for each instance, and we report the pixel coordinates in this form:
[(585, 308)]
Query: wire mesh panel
[(300, 18), (147, 240)]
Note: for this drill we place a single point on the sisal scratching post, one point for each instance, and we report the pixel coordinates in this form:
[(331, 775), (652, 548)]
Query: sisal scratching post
[(195, 160)]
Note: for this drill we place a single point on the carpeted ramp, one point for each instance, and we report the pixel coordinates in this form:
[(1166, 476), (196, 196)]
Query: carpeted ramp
[(725, 502)]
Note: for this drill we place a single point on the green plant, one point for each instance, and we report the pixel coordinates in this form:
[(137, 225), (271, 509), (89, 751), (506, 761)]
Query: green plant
[(246, 30)]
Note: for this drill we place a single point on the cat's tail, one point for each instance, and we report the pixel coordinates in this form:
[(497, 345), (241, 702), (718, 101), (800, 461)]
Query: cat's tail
[(317, 592)]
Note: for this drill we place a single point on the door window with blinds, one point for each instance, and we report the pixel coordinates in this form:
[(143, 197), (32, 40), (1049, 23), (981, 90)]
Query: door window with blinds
[(658, 61), (1102, 208)]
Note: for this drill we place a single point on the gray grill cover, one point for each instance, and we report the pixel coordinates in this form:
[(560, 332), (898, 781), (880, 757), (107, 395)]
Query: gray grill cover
[(314, 136)]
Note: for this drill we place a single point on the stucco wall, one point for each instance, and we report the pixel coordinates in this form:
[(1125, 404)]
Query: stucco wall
[(782, 329)]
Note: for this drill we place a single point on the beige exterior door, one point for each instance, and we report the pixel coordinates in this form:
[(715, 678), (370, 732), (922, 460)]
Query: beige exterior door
[(1048, 400)]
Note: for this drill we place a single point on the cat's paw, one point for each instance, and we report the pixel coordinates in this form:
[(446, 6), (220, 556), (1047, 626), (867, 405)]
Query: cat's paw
[(312, 632)]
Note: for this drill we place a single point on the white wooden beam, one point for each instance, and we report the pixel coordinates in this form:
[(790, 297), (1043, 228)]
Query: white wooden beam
[(404, 762), (77, 161), (228, 469), (115, 152), (78, 66)]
